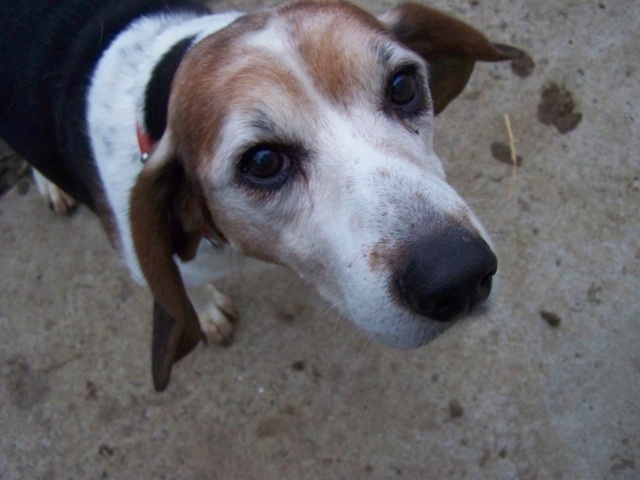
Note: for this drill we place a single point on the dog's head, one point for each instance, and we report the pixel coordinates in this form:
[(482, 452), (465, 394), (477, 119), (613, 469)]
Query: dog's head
[(302, 136)]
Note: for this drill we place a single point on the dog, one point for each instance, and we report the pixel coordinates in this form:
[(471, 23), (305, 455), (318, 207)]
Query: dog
[(300, 135)]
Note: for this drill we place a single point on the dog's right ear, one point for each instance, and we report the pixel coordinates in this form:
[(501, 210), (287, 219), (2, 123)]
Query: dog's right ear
[(167, 218), (449, 46)]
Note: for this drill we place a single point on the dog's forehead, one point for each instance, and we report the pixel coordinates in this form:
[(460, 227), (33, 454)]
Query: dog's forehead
[(280, 58), (338, 45)]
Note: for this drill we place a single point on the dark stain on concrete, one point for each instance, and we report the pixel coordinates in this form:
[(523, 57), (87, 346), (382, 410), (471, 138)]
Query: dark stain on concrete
[(455, 409), (26, 386), (557, 108), (268, 428), (553, 319)]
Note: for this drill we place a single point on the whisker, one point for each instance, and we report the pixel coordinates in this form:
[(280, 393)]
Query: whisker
[(354, 333), (368, 340), (502, 277), (235, 273), (479, 202), (507, 235)]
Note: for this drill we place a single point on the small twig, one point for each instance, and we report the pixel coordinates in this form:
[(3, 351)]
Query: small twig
[(61, 364), (514, 156)]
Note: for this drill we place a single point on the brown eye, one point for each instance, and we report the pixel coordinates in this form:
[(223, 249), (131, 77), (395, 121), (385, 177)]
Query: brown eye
[(264, 166), (403, 89)]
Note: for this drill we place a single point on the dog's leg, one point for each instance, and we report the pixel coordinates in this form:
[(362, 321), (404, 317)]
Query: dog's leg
[(216, 313), (59, 201)]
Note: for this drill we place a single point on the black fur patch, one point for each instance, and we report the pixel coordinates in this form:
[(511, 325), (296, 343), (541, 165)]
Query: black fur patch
[(159, 89), (48, 52)]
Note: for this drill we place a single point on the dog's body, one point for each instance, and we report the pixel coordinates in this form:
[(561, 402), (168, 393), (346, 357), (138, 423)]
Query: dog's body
[(300, 136)]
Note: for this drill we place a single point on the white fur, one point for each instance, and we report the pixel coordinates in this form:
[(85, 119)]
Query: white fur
[(362, 189)]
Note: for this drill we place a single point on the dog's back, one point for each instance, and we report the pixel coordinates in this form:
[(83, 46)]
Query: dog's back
[(48, 50)]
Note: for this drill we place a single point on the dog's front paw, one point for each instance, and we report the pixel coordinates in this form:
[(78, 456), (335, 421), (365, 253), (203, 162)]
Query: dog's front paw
[(216, 313), (59, 201)]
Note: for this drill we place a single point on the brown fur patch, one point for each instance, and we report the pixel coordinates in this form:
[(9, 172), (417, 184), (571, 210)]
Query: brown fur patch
[(383, 256), (334, 45), (384, 173), (200, 99), (219, 76)]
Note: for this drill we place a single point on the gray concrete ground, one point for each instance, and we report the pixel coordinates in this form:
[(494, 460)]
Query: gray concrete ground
[(300, 394)]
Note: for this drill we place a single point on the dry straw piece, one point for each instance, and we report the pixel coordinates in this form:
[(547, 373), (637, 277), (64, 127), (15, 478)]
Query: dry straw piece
[(514, 156)]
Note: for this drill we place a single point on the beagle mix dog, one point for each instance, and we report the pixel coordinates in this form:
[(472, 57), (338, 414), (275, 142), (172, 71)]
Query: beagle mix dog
[(301, 135)]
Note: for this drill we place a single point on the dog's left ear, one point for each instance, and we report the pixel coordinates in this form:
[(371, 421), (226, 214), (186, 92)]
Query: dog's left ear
[(450, 47), (167, 218)]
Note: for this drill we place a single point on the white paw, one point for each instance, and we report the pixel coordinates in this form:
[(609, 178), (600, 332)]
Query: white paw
[(216, 313), (59, 201)]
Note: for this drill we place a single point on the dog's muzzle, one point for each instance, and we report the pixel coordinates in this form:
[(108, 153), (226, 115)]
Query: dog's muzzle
[(446, 275)]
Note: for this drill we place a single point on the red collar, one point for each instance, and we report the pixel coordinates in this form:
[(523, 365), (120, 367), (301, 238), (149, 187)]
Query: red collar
[(144, 143)]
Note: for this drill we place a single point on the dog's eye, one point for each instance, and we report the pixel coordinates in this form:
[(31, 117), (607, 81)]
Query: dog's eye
[(405, 93), (403, 89), (265, 166)]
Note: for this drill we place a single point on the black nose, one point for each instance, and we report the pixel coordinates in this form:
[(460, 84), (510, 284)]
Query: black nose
[(447, 275)]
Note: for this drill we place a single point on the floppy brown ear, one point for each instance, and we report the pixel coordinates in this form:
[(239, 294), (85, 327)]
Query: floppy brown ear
[(450, 47), (167, 218)]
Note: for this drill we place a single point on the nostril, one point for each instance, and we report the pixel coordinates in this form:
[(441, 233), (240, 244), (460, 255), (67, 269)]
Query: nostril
[(487, 280), (483, 290)]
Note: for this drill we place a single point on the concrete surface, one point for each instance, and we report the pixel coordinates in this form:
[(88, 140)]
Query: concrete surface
[(300, 394)]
